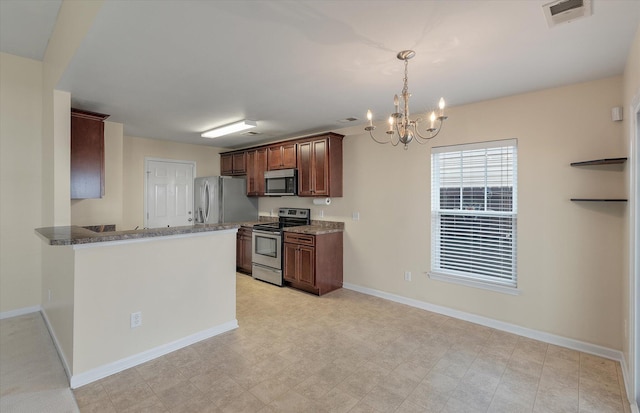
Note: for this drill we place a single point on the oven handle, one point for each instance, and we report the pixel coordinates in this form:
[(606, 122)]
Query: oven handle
[(274, 233)]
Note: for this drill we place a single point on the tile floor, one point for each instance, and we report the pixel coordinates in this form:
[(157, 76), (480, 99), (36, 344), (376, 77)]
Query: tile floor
[(32, 378), (349, 352)]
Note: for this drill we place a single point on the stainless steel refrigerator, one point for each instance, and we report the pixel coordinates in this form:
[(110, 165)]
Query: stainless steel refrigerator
[(219, 199)]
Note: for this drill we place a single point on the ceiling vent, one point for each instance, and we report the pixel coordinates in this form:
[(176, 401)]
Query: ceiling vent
[(565, 11)]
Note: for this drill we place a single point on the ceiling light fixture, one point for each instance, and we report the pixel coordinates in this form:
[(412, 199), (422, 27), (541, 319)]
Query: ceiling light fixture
[(400, 123), (230, 128)]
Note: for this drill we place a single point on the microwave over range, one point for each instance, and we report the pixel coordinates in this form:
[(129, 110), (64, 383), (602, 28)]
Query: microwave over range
[(281, 182)]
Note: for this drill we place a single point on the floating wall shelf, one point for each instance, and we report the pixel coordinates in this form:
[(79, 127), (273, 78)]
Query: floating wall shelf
[(597, 200), (606, 161)]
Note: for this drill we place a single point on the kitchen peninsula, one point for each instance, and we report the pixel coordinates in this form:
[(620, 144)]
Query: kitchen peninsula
[(113, 300)]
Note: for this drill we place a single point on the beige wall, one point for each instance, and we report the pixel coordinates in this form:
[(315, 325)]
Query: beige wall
[(182, 286), (58, 271), (569, 254), (108, 209), (74, 20), (135, 151), (20, 181)]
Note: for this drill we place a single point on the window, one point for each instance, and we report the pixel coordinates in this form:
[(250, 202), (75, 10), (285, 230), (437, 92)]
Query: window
[(474, 213)]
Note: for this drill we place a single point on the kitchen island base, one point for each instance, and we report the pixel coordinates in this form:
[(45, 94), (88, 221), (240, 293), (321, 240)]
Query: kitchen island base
[(182, 285)]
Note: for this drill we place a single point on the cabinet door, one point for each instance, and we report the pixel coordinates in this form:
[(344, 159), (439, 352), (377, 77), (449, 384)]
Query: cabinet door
[(290, 261), (226, 164), (86, 157), (306, 265), (251, 166), (239, 251), (313, 168), (289, 155), (243, 251), (305, 183), (274, 157), (281, 156), (256, 165), (239, 163), (320, 168), (246, 253), (260, 168)]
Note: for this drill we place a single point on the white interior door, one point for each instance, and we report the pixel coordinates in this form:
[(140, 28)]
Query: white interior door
[(169, 193)]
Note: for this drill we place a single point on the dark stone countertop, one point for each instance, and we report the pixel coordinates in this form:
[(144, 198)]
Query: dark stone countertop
[(261, 220), (318, 228), (74, 235)]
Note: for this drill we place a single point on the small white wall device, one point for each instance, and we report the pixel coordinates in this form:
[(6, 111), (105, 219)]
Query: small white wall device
[(616, 114)]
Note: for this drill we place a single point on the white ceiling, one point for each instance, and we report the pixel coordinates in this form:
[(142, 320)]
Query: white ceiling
[(173, 69), (25, 26)]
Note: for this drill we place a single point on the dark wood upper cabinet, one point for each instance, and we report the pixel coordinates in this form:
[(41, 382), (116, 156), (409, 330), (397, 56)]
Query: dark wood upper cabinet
[(320, 166), (256, 166), (233, 163), (87, 154), (318, 160), (281, 156)]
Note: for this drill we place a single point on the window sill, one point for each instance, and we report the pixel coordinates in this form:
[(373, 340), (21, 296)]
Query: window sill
[(473, 283)]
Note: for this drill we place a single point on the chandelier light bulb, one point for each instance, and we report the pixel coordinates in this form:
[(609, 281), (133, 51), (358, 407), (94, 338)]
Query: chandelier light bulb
[(370, 117), (433, 117), (390, 123)]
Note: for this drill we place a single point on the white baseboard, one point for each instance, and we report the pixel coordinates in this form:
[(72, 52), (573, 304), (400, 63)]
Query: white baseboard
[(56, 343), (498, 325), (627, 386), (20, 311), (101, 372)]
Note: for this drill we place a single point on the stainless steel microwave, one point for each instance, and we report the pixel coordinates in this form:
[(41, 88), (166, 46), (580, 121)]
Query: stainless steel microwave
[(281, 182)]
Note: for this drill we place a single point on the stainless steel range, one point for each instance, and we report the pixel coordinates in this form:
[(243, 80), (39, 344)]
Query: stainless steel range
[(267, 243)]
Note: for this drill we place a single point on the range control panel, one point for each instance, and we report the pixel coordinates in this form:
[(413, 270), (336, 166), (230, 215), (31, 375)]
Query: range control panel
[(294, 212)]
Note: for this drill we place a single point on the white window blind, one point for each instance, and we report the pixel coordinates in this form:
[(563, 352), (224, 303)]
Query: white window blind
[(474, 212)]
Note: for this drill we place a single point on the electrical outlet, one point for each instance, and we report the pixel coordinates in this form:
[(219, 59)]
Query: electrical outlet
[(407, 275), (49, 296), (320, 214), (355, 216), (136, 319)]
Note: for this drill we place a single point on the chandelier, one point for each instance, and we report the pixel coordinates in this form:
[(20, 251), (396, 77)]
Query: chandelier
[(401, 128)]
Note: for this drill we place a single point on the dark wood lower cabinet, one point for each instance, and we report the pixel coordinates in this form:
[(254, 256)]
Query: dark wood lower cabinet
[(313, 263), (243, 250)]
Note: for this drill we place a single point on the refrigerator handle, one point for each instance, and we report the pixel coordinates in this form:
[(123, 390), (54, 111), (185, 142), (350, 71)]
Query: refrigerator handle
[(206, 202)]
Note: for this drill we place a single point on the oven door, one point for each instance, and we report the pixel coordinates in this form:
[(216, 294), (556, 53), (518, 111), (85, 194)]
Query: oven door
[(267, 249)]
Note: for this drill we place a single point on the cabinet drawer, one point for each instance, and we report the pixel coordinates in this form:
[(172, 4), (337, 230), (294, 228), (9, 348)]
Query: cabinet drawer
[(299, 238)]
